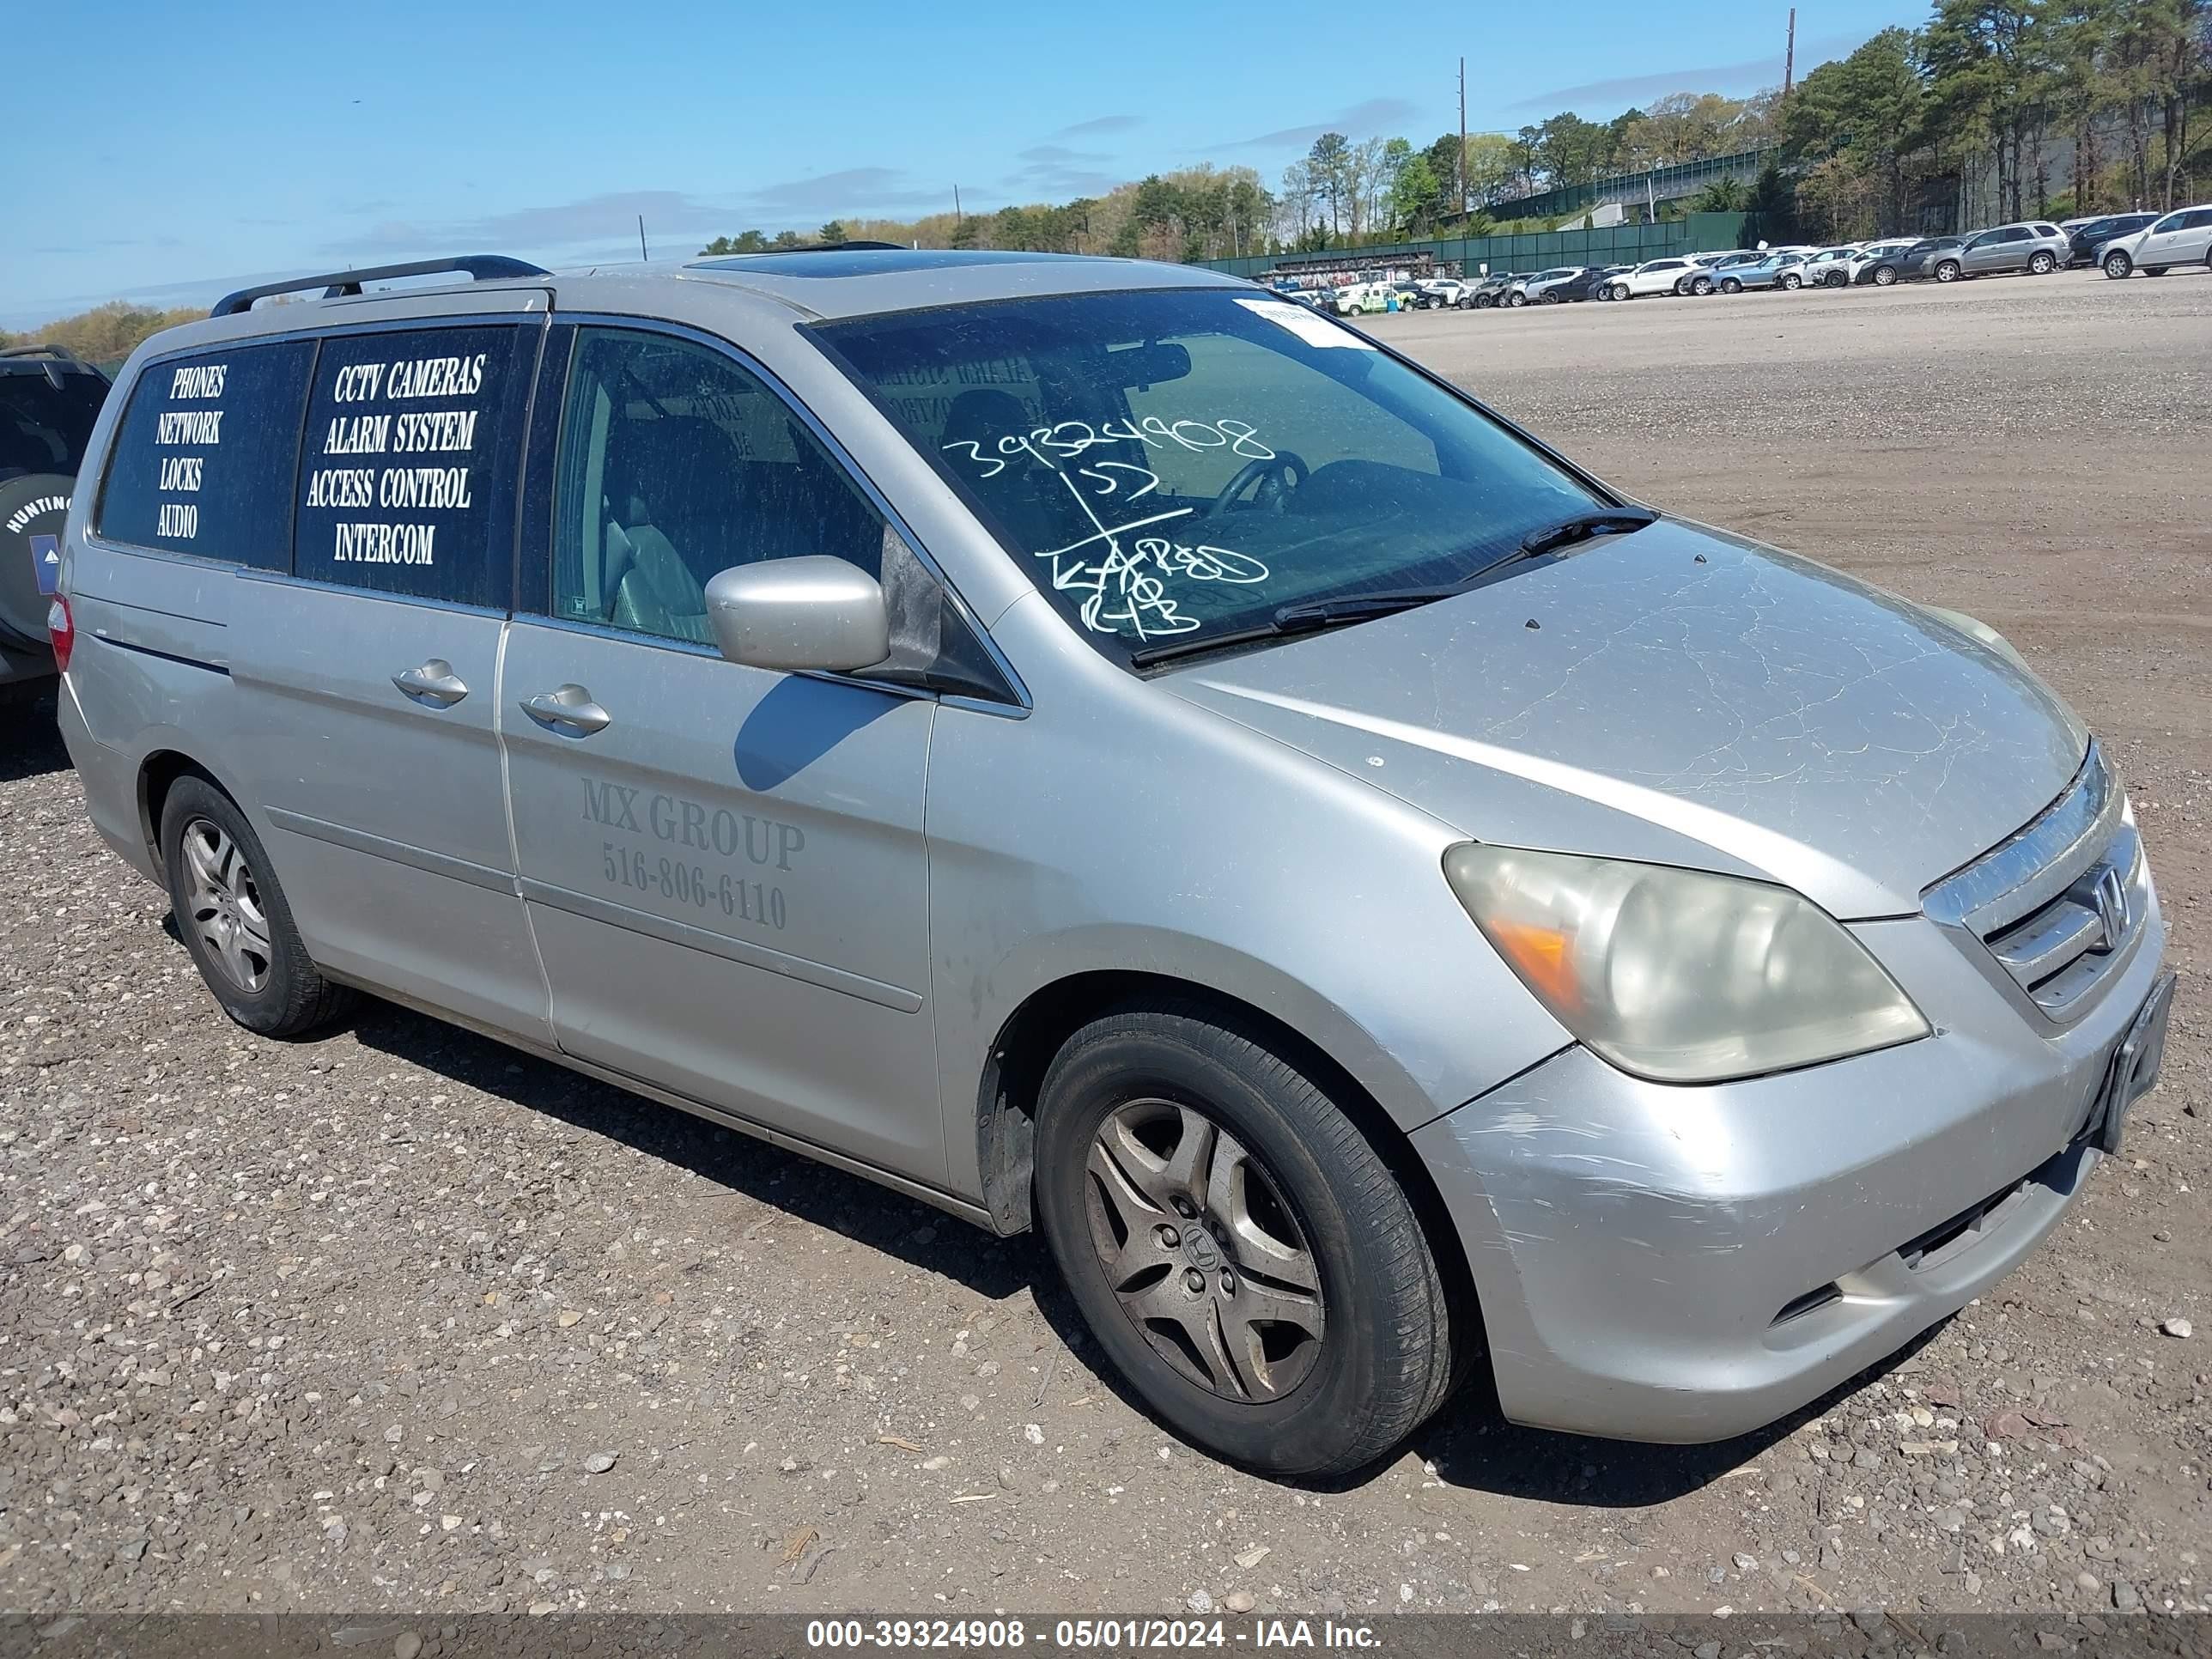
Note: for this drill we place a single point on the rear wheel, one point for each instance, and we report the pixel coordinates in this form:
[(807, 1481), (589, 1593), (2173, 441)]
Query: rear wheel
[(1730, 285), (234, 918), (2041, 264), (1241, 1252), (2154, 270)]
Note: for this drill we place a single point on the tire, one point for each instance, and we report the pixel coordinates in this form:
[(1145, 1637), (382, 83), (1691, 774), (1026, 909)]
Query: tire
[(2041, 264), (1484, 301), (1702, 288), (1548, 298), (1948, 272), (287, 998), (1885, 275), (2154, 270), (2118, 266), (1730, 285), (1351, 1370), (1514, 300), (1790, 281)]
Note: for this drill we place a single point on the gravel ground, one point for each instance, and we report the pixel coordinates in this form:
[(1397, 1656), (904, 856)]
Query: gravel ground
[(398, 1319)]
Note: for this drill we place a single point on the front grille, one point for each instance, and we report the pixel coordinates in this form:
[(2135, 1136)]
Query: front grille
[(2056, 905)]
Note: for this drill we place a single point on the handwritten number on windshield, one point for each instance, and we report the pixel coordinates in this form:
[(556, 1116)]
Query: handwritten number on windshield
[(1125, 577)]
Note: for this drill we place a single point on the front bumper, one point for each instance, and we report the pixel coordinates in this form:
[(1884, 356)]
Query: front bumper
[(1657, 1262)]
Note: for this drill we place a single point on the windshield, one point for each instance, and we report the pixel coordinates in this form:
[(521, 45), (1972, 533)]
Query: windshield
[(1186, 462)]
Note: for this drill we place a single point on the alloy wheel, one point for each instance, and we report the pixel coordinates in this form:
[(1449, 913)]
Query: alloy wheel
[(226, 905), (1202, 1251)]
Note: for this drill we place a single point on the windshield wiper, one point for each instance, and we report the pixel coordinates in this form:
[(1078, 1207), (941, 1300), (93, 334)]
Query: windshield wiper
[(1305, 616), (1605, 521), (1311, 615)]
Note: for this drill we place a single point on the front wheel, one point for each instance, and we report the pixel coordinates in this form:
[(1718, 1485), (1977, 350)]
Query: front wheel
[(235, 918), (1884, 276), (2118, 266), (1702, 287), (1243, 1255), (1514, 301), (1791, 281), (1948, 272), (2041, 264)]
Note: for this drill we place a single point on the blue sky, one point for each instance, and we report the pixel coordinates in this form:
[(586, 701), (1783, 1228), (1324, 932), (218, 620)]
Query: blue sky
[(216, 144)]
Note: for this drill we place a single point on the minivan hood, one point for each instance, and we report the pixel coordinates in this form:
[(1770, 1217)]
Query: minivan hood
[(1686, 697)]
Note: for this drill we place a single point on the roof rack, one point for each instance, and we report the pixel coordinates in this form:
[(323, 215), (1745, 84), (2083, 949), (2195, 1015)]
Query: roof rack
[(338, 284), (48, 359), (60, 353)]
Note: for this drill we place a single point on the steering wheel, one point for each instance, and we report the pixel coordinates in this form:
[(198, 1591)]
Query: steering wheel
[(1284, 471)]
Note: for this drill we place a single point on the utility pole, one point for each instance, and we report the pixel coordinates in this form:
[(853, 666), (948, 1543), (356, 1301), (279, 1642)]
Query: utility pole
[(1789, 57), (642, 253), (1462, 169)]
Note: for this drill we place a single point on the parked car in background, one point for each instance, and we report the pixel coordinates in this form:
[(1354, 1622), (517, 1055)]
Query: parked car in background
[(2031, 245), (1918, 263), (2182, 237), (2086, 237), (1877, 265), (1783, 269), (1435, 292), (49, 398), (1830, 267), (1491, 290), (1589, 283), (1652, 277), (1709, 279), (1543, 288), (1517, 291), (1358, 298)]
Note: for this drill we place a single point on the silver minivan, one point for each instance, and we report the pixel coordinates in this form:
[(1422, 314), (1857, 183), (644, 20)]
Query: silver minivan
[(1097, 747)]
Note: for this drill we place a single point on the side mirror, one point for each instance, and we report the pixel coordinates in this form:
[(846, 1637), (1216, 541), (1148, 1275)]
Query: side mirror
[(790, 614)]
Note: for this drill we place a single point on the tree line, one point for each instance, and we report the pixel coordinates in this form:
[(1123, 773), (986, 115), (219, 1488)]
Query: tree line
[(2006, 109)]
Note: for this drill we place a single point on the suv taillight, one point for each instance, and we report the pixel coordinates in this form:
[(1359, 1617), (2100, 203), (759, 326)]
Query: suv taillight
[(62, 629)]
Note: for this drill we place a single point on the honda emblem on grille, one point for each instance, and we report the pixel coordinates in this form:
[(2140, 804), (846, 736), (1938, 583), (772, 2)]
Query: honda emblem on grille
[(2111, 908)]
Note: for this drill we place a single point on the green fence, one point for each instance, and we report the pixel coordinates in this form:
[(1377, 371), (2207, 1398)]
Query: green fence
[(1659, 184), (1613, 245)]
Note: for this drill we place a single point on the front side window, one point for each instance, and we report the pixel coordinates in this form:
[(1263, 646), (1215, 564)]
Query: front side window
[(205, 454), (407, 483), (1184, 462), (675, 463)]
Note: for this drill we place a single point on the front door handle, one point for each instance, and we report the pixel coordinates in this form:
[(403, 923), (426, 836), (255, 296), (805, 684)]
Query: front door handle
[(434, 681), (570, 706)]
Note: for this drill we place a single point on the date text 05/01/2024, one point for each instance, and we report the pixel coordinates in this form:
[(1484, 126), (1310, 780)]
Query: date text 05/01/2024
[(1085, 1635)]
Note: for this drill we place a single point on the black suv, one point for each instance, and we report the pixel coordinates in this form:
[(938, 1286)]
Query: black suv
[(49, 398), (2083, 240)]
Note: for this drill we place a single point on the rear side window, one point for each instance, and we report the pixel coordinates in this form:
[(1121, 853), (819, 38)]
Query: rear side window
[(46, 420), (407, 485), (205, 455)]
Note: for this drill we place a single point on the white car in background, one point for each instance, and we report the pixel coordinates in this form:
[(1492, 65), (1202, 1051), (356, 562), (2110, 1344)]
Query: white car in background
[(2182, 237), (1830, 266), (1652, 277)]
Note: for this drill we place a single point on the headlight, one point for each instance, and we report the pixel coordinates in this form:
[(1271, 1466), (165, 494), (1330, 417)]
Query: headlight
[(1677, 975)]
